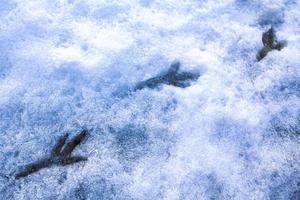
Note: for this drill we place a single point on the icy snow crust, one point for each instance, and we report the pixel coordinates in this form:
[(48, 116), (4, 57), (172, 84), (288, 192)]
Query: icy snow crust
[(233, 134)]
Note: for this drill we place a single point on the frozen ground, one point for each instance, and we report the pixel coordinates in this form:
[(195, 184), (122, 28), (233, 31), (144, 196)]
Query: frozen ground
[(233, 134)]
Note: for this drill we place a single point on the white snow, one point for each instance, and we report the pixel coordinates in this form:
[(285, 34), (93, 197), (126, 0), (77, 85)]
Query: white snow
[(68, 64)]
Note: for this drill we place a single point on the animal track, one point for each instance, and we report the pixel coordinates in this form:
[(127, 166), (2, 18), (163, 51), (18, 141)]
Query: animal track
[(171, 77), (60, 155), (270, 43)]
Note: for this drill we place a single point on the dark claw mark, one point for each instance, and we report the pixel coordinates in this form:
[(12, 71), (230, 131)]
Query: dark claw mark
[(59, 155), (270, 43), (73, 143), (171, 77), (59, 145), (269, 37), (34, 167), (74, 159)]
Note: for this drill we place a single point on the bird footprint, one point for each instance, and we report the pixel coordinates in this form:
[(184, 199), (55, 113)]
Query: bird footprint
[(60, 155)]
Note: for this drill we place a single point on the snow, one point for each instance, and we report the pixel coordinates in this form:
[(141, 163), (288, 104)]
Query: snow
[(233, 133)]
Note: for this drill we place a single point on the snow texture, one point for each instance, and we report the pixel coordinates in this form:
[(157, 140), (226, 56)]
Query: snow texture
[(68, 65)]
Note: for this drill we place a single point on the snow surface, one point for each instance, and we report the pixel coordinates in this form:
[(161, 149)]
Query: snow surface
[(233, 134)]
